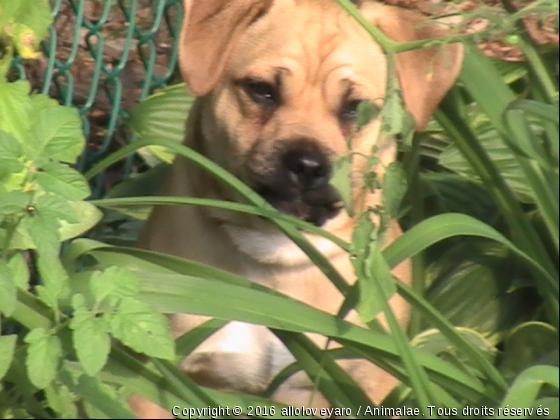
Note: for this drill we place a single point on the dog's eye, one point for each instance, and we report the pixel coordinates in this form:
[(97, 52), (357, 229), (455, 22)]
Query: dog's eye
[(349, 110), (260, 92)]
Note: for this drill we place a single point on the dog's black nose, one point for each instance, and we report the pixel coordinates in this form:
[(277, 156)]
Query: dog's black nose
[(307, 164)]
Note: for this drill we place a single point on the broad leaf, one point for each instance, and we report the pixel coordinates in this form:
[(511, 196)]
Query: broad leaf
[(16, 107), (142, 328), (60, 179), (8, 345), (90, 337), (56, 134), (44, 352), (7, 290), (162, 114)]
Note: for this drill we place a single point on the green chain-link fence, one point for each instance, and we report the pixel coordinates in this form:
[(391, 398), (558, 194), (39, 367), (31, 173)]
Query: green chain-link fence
[(102, 57)]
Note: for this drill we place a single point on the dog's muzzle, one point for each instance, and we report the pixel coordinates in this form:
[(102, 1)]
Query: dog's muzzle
[(299, 185)]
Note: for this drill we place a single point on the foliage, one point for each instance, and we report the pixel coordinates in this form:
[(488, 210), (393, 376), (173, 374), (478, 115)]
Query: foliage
[(23, 24), (482, 218)]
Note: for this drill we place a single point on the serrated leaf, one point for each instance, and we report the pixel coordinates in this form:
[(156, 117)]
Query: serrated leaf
[(393, 113), (48, 296), (20, 270), (60, 179), (44, 232), (101, 401), (7, 290), (371, 301), (44, 354), (114, 281), (16, 107), (61, 400), (89, 217), (363, 235), (342, 181), (56, 134), (90, 337), (8, 345), (143, 329), (394, 189)]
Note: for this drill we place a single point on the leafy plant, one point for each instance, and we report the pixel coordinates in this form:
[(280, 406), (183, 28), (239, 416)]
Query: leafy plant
[(491, 153)]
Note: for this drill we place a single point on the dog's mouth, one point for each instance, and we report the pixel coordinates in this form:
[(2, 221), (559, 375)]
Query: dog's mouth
[(315, 206)]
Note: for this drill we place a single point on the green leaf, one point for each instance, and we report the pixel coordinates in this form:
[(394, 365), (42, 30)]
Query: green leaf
[(525, 389), (489, 268), (114, 281), (180, 293), (437, 343), (14, 202), (16, 107), (54, 207), (10, 148), (101, 400), (394, 117), (20, 270), (547, 406), (40, 101), (501, 155), (56, 134), (145, 184), (34, 15), (162, 114), (10, 153), (444, 226), (142, 328), (44, 353), (394, 189), (367, 111), (527, 345), (377, 270), (7, 290), (90, 337), (90, 215), (8, 345), (342, 181), (60, 179), (44, 232), (545, 111), (61, 400)]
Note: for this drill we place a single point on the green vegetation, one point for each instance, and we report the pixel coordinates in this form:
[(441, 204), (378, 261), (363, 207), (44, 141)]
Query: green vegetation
[(482, 217)]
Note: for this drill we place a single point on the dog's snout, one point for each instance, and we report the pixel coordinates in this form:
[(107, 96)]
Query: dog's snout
[(307, 164)]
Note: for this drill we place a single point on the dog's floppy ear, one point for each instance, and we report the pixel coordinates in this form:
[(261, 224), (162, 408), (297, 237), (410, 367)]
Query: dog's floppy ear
[(209, 32), (426, 74)]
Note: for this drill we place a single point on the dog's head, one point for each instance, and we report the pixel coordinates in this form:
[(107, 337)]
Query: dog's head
[(281, 81)]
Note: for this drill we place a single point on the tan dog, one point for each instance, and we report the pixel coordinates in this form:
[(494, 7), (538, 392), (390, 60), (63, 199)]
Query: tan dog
[(279, 82)]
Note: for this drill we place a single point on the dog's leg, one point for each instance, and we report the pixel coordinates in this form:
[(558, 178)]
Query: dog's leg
[(145, 409)]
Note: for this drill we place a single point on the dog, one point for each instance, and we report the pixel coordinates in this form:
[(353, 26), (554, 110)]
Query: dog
[(278, 84)]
